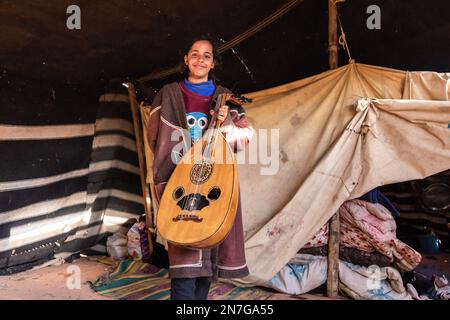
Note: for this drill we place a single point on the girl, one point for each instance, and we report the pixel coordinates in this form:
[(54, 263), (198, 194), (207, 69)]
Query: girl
[(187, 105)]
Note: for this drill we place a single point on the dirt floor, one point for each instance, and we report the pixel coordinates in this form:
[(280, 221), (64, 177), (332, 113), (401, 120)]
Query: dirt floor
[(59, 282), (55, 282)]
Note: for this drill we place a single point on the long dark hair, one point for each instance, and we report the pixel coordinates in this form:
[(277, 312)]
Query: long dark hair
[(216, 55)]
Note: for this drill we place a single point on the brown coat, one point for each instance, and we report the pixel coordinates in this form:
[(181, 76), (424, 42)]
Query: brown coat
[(168, 115)]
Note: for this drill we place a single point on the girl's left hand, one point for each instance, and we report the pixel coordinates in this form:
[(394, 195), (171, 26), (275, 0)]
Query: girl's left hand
[(223, 112)]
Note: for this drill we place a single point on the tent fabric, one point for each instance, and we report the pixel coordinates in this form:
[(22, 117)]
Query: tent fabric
[(114, 197), (340, 134), (70, 176), (427, 86), (44, 161), (335, 153)]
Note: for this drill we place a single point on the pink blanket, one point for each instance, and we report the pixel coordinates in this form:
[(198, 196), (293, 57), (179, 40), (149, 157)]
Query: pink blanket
[(370, 227)]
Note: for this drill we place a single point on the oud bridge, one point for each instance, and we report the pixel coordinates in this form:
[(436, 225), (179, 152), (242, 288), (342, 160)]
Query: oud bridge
[(187, 217)]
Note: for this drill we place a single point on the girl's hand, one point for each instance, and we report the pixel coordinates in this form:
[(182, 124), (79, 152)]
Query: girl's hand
[(222, 114)]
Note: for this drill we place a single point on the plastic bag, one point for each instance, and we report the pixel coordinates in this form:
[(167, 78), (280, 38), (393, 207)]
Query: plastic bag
[(116, 246), (138, 242)]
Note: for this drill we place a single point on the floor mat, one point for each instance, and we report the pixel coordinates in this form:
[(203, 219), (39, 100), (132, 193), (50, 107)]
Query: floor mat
[(135, 280)]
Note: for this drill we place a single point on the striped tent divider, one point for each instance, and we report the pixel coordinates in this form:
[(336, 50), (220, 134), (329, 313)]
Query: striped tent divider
[(69, 174)]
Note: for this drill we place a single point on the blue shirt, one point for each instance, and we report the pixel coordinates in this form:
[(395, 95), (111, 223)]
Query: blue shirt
[(205, 89)]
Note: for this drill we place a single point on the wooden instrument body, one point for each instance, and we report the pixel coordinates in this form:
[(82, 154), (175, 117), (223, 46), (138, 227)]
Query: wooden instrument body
[(199, 203)]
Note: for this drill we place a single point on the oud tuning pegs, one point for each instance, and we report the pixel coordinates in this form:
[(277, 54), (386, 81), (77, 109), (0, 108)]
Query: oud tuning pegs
[(243, 99), (239, 99)]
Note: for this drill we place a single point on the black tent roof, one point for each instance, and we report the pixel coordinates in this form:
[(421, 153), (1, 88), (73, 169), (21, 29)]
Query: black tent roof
[(131, 38)]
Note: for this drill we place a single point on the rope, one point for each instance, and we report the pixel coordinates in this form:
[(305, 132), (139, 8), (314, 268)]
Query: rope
[(233, 42), (342, 38)]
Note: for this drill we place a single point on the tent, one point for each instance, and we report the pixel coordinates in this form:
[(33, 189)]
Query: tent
[(68, 181), (70, 174), (318, 123), (338, 135), (344, 132)]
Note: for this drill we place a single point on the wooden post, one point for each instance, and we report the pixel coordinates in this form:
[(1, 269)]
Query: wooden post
[(334, 227), (140, 152), (333, 256), (332, 35)]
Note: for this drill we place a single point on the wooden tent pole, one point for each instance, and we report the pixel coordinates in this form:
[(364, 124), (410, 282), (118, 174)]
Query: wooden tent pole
[(333, 256), (334, 227), (332, 35), (140, 152)]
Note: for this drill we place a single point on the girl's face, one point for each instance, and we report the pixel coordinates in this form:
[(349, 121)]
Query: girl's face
[(200, 61)]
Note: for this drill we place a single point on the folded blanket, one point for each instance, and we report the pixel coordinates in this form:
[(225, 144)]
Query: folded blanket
[(371, 218), (370, 227), (378, 226), (349, 236), (306, 272)]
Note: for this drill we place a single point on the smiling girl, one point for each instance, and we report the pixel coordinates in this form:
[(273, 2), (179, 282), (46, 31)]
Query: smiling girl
[(187, 106)]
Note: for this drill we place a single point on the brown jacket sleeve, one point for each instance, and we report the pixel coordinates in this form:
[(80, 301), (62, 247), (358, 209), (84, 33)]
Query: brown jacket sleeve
[(153, 122)]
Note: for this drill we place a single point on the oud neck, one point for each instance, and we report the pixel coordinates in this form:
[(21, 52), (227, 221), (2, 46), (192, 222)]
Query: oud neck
[(221, 100)]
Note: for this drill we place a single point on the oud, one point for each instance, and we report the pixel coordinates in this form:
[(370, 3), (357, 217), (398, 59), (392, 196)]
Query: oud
[(199, 203)]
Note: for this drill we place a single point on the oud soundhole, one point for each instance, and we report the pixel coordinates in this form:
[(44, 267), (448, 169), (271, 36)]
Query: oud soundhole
[(178, 193), (201, 172), (214, 193), (192, 202)]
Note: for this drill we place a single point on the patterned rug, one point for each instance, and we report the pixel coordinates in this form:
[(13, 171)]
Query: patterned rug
[(136, 280)]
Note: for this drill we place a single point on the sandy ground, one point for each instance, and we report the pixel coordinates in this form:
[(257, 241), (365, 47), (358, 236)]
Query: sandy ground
[(61, 282), (55, 282)]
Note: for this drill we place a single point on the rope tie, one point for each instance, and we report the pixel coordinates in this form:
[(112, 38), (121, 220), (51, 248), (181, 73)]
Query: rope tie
[(342, 39), (233, 42)]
